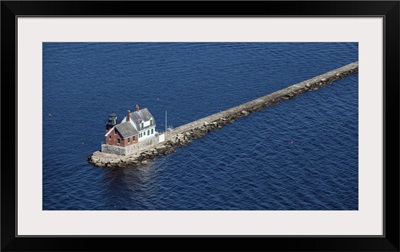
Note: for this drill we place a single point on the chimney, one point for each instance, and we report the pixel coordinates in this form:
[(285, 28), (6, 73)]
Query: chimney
[(128, 118), (137, 107)]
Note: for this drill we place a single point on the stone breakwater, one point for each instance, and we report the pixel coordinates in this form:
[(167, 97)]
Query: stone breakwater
[(184, 134)]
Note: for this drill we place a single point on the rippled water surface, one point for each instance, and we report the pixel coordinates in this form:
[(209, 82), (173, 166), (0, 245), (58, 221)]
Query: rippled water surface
[(300, 154)]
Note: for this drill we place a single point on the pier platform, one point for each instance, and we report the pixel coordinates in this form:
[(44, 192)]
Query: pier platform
[(182, 135)]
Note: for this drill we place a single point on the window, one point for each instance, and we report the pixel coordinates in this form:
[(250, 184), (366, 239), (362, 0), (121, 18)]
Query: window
[(144, 133), (119, 141), (152, 131), (141, 125), (148, 132), (110, 136), (129, 139), (151, 122)]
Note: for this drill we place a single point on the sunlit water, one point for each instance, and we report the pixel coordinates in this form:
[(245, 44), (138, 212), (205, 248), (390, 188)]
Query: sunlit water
[(296, 155)]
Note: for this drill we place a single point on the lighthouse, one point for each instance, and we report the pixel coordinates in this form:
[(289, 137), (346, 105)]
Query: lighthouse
[(111, 122)]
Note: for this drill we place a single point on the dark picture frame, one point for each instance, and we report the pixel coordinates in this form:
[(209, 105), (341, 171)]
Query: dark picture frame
[(11, 10)]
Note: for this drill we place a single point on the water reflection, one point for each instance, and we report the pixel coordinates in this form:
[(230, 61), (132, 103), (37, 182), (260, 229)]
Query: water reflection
[(133, 187)]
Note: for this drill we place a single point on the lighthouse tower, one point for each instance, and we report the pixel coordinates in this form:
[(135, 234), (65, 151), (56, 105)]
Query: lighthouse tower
[(111, 122)]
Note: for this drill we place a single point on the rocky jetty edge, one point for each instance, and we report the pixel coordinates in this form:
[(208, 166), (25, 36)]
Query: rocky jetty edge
[(184, 134)]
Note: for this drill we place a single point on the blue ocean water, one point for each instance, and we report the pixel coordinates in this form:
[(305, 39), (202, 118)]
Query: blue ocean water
[(300, 154)]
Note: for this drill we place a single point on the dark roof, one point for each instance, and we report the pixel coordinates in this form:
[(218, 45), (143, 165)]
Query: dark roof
[(126, 129), (141, 115)]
